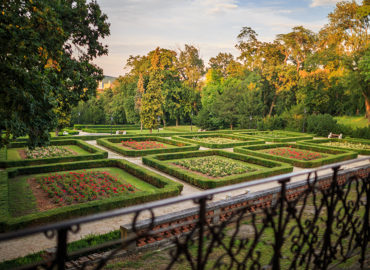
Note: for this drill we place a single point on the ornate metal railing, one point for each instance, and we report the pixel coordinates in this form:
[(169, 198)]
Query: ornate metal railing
[(315, 223)]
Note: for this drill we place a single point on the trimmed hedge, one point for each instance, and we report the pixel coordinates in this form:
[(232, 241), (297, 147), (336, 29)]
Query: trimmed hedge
[(359, 151), (95, 153), (271, 168), (246, 140), (81, 126), (288, 136), (339, 154), (167, 188), (181, 146)]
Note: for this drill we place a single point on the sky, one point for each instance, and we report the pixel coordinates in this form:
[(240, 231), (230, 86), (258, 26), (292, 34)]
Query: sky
[(139, 26)]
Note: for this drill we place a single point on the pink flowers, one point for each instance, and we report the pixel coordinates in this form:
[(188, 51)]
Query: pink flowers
[(292, 153), (142, 145), (80, 187)]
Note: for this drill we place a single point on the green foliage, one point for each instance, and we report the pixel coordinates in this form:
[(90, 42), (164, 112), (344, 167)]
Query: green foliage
[(264, 167), (333, 155), (167, 188), (322, 125), (110, 143), (44, 75)]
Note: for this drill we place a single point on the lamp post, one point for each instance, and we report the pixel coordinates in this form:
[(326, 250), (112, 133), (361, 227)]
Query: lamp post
[(159, 121), (111, 121), (250, 121), (191, 121), (79, 113)]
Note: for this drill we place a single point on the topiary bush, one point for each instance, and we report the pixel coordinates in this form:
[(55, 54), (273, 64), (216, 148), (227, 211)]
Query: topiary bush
[(322, 125)]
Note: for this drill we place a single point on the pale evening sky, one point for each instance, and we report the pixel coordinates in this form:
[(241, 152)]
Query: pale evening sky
[(139, 26)]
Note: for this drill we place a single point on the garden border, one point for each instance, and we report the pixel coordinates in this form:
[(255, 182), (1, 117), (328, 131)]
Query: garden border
[(168, 187), (247, 140), (109, 143), (293, 136), (96, 153), (340, 154), (273, 168), (359, 151)]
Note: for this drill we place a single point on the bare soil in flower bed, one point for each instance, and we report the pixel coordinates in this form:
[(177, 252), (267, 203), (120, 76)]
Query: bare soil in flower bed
[(218, 140), (36, 193)]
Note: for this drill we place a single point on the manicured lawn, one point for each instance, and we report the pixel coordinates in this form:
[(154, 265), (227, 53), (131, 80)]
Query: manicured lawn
[(49, 193), (299, 155), (183, 128), (69, 187), (214, 168), (216, 140), (352, 121)]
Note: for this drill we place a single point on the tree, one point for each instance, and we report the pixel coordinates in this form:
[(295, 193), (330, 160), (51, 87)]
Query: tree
[(46, 57), (139, 95), (151, 104), (190, 66)]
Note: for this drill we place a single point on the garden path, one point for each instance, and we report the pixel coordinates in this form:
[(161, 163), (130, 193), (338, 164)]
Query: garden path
[(25, 246)]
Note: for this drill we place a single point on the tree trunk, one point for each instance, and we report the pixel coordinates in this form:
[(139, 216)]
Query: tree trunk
[(367, 106), (141, 126), (177, 122), (56, 132), (164, 122), (150, 131), (272, 105), (231, 126)]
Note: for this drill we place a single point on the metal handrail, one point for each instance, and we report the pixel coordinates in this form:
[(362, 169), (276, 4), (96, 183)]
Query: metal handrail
[(169, 201)]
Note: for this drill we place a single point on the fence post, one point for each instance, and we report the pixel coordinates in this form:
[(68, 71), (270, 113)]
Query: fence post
[(61, 255)]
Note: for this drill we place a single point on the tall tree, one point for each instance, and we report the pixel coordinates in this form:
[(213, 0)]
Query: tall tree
[(139, 95), (46, 57), (191, 66), (151, 103)]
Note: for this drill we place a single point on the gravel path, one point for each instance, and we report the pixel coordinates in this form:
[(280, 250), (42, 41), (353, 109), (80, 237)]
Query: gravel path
[(21, 247)]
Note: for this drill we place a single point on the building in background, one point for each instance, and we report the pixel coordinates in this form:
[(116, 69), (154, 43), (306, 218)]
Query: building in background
[(106, 83)]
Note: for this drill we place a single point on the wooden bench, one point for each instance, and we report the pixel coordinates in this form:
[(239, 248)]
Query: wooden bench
[(335, 136)]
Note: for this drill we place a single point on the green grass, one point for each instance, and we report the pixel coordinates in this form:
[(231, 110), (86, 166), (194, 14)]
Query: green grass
[(166, 145), (352, 121), (23, 202), (13, 154), (184, 128), (146, 131)]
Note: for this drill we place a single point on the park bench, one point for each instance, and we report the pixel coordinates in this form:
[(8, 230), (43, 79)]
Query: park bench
[(335, 136), (123, 132)]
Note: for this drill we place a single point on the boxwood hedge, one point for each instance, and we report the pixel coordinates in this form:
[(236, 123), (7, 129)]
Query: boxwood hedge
[(354, 141), (95, 153), (269, 168), (281, 136), (193, 139), (180, 146), (167, 188), (339, 155), (81, 126)]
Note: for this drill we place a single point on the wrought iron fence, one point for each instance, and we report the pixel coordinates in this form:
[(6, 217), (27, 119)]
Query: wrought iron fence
[(315, 223)]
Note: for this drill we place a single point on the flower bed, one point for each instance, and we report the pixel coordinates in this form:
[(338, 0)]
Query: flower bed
[(293, 153), (75, 187), (300, 155), (47, 152), (142, 145), (359, 146), (219, 140), (277, 136), (214, 166), (28, 195), (145, 145), (59, 151)]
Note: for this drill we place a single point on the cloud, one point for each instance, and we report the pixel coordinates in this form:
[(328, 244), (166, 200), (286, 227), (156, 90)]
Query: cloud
[(138, 26), (320, 3)]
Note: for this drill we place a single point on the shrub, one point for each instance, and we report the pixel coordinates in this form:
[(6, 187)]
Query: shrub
[(322, 125), (272, 123)]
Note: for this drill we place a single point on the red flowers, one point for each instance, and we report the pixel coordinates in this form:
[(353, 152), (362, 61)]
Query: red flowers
[(80, 187), (292, 153), (142, 145)]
